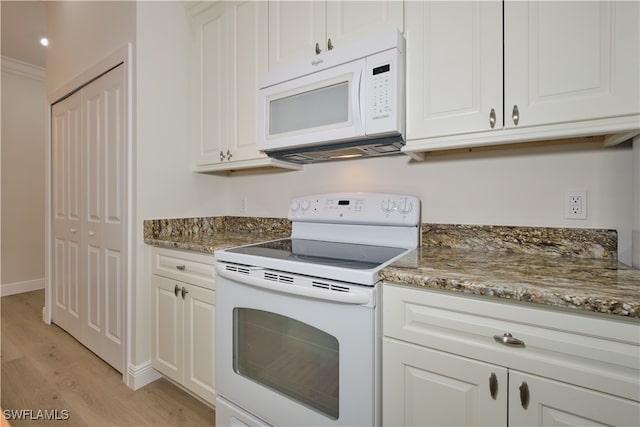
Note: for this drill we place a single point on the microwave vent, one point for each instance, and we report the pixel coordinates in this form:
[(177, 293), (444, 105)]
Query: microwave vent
[(341, 151)]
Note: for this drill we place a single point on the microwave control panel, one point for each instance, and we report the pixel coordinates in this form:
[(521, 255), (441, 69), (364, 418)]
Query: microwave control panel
[(385, 93), (381, 91)]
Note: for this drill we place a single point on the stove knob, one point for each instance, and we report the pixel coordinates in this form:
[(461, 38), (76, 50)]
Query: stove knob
[(305, 205), (405, 206), (295, 205), (388, 206)]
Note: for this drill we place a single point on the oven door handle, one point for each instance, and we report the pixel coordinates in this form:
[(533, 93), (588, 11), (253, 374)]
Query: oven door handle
[(322, 294)]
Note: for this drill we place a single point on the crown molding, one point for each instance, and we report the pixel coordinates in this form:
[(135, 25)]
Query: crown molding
[(20, 68)]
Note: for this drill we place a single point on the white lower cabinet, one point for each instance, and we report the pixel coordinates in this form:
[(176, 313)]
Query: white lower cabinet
[(443, 366), (536, 401), (423, 387), (183, 316)]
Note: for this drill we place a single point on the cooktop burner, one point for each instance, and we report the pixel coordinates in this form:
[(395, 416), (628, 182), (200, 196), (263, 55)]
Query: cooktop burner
[(347, 255)]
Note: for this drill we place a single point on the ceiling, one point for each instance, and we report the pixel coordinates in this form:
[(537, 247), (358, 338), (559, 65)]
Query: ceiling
[(23, 25)]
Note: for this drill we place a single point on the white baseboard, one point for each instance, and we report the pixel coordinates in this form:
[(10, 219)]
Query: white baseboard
[(21, 287), (141, 375)]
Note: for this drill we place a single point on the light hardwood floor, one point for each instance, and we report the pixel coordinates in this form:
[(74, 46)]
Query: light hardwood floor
[(44, 368)]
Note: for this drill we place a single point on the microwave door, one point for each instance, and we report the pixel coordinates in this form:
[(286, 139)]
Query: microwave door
[(311, 110)]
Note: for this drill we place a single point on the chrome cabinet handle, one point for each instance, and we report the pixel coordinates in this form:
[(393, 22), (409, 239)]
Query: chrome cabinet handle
[(181, 267), (329, 45), (92, 233), (318, 50), (493, 386), (515, 115), (176, 290), (221, 156), (74, 230), (524, 395), (508, 339), (229, 155), (184, 292), (492, 118)]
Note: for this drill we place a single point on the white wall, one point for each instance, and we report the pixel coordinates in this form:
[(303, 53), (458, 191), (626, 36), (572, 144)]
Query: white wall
[(166, 186), (23, 179), (82, 33), (523, 186)]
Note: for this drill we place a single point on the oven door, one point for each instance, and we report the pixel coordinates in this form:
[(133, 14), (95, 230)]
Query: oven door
[(296, 359)]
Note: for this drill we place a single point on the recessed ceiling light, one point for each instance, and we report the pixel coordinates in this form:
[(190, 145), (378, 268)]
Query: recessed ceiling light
[(44, 41)]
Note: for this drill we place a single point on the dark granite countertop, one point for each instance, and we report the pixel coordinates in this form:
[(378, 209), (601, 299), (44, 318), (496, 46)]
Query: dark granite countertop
[(555, 267)]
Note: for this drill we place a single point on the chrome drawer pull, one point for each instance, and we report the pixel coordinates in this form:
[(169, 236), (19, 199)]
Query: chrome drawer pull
[(176, 290), (492, 118), (515, 115), (508, 339), (181, 267)]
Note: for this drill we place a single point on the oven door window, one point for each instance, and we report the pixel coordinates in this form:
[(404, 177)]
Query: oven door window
[(288, 356)]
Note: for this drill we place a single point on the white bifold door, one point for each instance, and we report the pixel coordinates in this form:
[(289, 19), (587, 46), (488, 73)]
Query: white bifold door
[(89, 202)]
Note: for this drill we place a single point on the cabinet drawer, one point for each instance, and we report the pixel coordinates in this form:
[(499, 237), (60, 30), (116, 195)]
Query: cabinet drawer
[(586, 350), (188, 267)]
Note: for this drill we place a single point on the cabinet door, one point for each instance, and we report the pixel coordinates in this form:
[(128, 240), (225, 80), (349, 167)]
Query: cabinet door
[(425, 387), (352, 20), (294, 29), (167, 327), (210, 88), (247, 59), (454, 67), (570, 61), (543, 402), (199, 327)]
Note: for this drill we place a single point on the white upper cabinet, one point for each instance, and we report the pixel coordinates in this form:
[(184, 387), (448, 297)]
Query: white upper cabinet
[(570, 69), (570, 61), (454, 67), (229, 51), (294, 29), (301, 29), (210, 91)]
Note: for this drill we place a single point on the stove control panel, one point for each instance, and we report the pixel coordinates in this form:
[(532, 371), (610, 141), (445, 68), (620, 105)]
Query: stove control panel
[(357, 208)]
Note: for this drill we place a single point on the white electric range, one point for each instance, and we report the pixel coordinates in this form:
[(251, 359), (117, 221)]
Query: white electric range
[(297, 319)]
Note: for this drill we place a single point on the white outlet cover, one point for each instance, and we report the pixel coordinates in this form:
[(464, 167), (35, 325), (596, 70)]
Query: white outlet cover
[(575, 204)]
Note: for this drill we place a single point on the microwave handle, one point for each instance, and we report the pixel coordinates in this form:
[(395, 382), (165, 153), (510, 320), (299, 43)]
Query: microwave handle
[(322, 294), (361, 93)]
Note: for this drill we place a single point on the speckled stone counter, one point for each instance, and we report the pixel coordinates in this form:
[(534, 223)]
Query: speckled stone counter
[(558, 267), (211, 233)]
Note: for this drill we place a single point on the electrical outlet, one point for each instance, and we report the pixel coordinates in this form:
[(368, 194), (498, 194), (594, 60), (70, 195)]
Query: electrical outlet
[(575, 205)]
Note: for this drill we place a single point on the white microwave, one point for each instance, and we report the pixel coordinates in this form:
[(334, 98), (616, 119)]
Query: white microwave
[(345, 103)]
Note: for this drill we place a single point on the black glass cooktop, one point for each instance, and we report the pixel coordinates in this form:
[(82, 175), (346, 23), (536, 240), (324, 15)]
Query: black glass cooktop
[(346, 255)]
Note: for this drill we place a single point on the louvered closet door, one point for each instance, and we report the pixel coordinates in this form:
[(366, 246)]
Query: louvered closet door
[(89, 166), (66, 171), (104, 209)]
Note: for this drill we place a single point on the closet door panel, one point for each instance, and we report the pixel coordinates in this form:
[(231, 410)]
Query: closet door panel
[(105, 196), (66, 170)]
